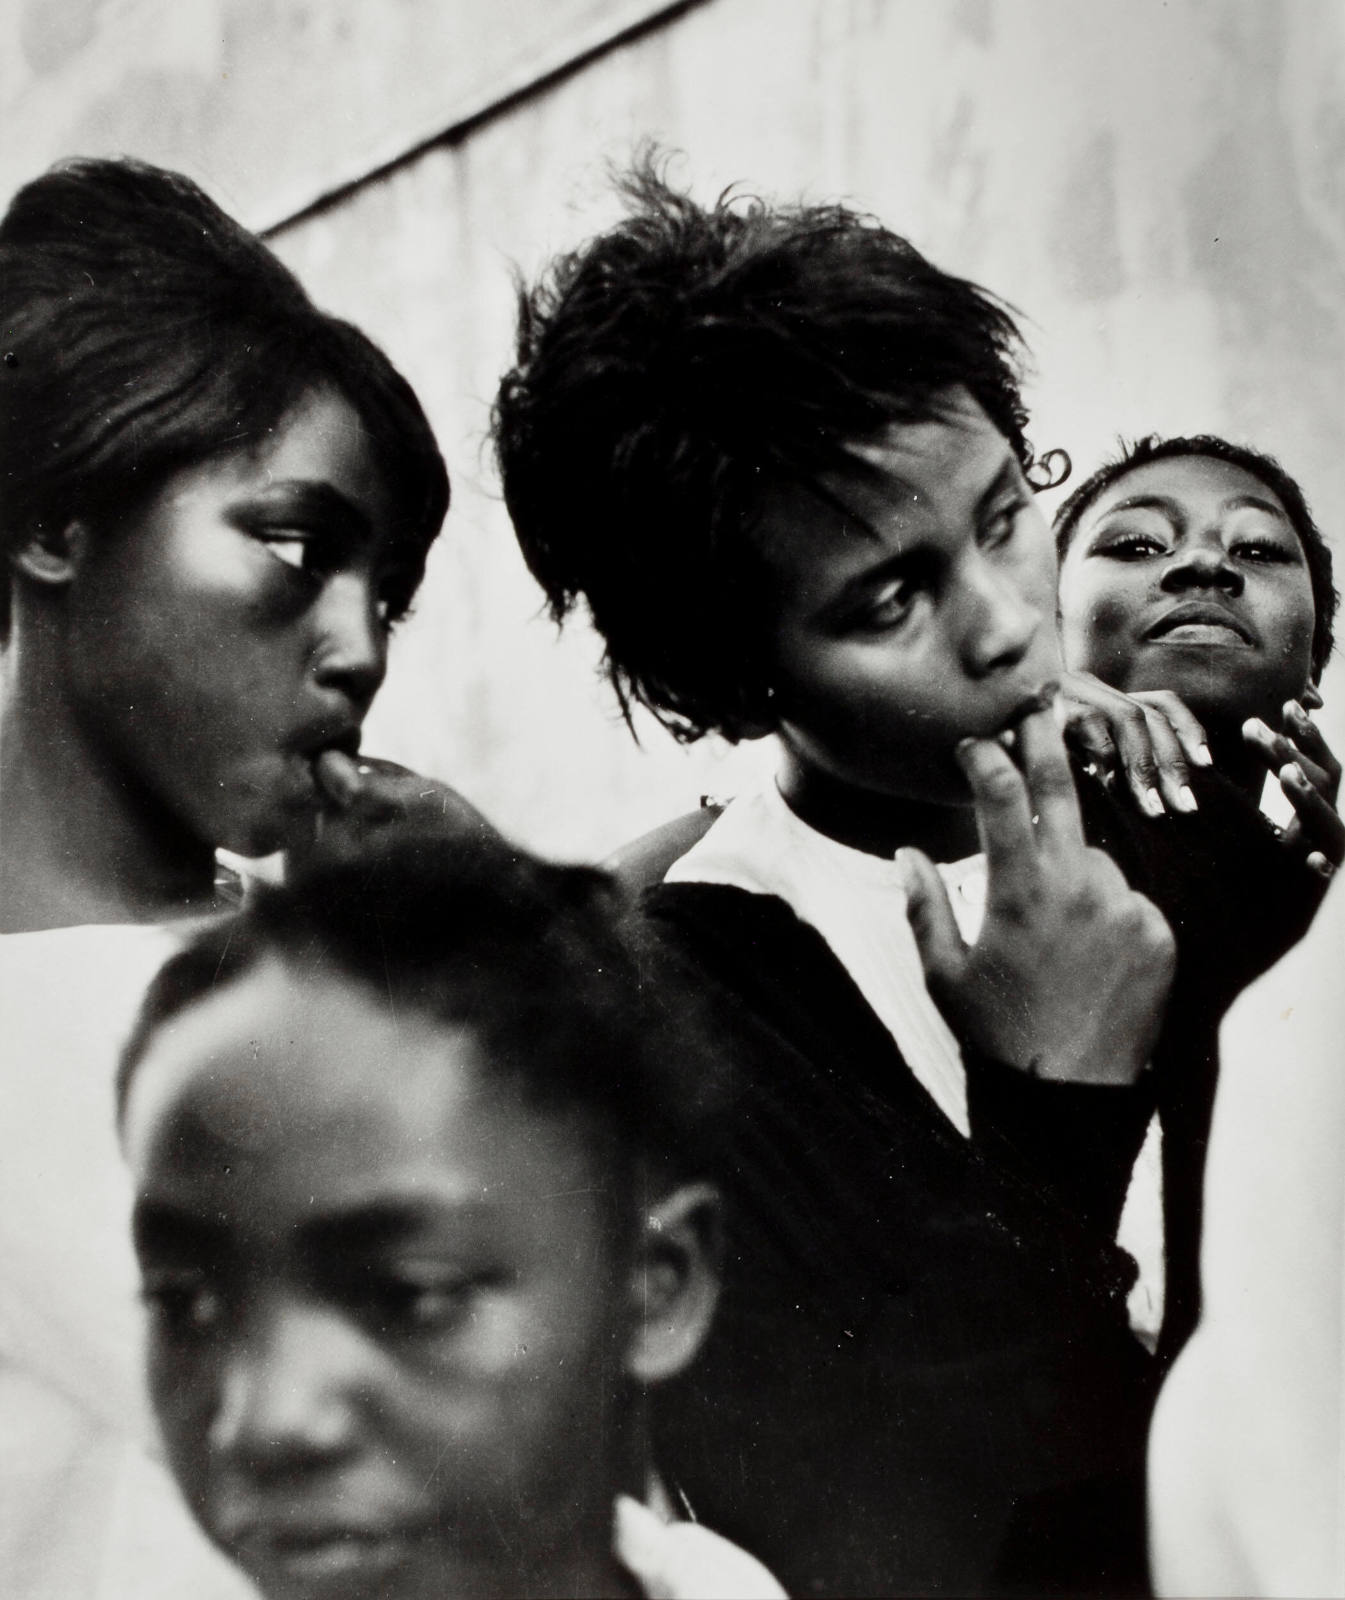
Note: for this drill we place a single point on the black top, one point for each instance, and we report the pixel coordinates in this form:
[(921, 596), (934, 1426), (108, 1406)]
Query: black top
[(922, 1378)]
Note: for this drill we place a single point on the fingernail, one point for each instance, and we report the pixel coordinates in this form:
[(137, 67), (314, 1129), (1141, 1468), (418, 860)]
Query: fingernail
[(1290, 772), (1152, 802), (1321, 866), (1203, 755), (1186, 800)]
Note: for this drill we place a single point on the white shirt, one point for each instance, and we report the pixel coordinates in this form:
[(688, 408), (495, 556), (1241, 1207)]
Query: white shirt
[(684, 1561), (1247, 1451), (857, 902), (87, 1511)]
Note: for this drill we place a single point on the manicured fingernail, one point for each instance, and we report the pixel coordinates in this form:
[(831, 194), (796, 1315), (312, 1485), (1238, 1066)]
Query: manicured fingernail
[(1186, 800), (1292, 773), (1321, 866), (1203, 756), (1152, 802)]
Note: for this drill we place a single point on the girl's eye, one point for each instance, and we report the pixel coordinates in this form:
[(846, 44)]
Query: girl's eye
[(297, 550), (186, 1302), (1002, 521), (432, 1300), (888, 608), (1261, 550), (1132, 547)]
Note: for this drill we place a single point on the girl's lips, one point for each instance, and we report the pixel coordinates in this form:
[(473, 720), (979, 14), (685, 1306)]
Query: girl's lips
[(1199, 622), (325, 1560), (1219, 633)]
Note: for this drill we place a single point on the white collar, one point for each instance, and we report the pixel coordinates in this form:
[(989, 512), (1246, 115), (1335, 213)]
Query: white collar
[(684, 1561), (857, 903)]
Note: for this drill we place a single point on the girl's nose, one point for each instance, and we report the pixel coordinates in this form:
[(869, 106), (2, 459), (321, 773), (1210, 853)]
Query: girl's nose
[(1201, 564), (351, 652), (288, 1393), (999, 623)]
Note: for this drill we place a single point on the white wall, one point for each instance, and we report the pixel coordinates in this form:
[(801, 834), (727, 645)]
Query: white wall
[(1157, 186)]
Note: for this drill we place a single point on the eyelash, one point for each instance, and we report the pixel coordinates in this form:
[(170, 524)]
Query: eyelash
[(1257, 550), (186, 1301), (434, 1301), (888, 609), (1000, 526), (1139, 546), (1134, 547)]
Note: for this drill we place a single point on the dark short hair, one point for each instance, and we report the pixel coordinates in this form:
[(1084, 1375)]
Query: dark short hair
[(1154, 447), (143, 330), (542, 963), (676, 371)]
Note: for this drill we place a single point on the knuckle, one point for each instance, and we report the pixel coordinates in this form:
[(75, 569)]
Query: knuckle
[(999, 784), (1094, 726)]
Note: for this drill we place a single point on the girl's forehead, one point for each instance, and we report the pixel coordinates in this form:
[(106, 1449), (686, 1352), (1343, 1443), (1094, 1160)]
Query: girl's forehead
[(1197, 481), (309, 1082), (281, 1047)]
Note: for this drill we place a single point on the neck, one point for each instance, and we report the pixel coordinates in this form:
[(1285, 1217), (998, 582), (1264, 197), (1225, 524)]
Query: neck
[(1236, 759), (574, 1559), (79, 841), (878, 824)]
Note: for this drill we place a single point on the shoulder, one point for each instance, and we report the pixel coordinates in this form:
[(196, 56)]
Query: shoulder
[(645, 861)]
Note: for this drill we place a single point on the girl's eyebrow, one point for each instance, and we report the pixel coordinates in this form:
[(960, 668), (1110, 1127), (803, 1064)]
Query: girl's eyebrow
[(384, 1222), (1164, 504), (1175, 512), (1254, 502), (160, 1227), (312, 498)]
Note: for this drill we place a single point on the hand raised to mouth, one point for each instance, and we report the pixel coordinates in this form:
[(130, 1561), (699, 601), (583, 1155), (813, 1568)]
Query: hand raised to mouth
[(1070, 973), (363, 793)]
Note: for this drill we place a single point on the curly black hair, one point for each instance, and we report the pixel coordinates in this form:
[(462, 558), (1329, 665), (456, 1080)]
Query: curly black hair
[(541, 962), (678, 370), (1154, 447)]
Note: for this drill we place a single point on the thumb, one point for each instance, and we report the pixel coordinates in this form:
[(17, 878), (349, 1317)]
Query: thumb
[(942, 950)]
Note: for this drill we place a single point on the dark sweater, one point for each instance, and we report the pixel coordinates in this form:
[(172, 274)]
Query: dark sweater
[(922, 1379)]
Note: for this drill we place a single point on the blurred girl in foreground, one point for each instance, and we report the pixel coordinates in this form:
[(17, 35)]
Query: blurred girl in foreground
[(217, 501)]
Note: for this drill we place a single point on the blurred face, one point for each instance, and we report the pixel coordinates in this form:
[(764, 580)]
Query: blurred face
[(1188, 575), (388, 1304), (926, 617), (234, 626)]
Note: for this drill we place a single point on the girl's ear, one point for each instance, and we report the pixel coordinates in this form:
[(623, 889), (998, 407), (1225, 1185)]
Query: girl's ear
[(675, 1281), (51, 556)]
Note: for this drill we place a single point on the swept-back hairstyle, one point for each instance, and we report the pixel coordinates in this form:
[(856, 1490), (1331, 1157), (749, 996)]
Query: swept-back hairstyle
[(539, 962), (1154, 447), (142, 330), (679, 369)]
